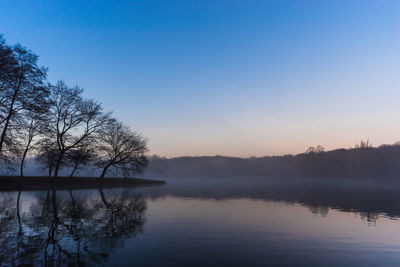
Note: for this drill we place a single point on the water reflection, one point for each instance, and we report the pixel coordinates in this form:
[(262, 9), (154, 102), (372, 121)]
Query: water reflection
[(67, 227), (205, 223), (368, 199)]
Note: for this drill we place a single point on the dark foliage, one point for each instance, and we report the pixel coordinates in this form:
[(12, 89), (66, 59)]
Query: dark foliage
[(365, 162)]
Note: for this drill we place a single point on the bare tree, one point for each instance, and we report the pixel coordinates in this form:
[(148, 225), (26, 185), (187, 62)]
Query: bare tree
[(57, 121), (48, 155), (120, 148), (363, 145), (77, 157), (22, 88), (32, 125), (9, 156), (315, 150), (8, 64), (73, 120)]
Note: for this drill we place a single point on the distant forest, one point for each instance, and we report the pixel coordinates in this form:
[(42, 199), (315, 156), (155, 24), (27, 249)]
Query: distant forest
[(56, 125), (361, 162)]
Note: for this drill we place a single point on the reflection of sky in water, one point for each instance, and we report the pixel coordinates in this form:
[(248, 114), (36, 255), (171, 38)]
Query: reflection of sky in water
[(248, 231), (168, 225)]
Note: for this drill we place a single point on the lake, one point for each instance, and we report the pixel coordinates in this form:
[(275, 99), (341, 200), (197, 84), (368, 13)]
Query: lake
[(206, 222)]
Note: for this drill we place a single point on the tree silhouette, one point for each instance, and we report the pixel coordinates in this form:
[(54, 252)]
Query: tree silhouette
[(22, 88), (48, 155), (80, 156), (32, 126), (120, 148), (72, 119), (56, 121)]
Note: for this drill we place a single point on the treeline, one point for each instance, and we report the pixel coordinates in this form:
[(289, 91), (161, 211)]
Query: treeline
[(361, 162), (55, 124)]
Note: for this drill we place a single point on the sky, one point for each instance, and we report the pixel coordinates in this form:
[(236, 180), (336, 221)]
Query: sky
[(226, 77)]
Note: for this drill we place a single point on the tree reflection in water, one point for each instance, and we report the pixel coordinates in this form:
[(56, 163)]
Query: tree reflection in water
[(67, 228)]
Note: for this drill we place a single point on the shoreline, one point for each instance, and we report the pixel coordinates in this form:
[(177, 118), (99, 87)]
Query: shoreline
[(38, 183)]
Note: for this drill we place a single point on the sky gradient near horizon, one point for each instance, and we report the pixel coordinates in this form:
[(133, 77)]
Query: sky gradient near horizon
[(239, 78)]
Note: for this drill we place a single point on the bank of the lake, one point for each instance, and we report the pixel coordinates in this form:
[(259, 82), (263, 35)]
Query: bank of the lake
[(11, 183)]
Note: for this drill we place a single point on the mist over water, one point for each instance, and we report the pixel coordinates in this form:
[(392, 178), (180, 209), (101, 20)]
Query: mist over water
[(206, 221)]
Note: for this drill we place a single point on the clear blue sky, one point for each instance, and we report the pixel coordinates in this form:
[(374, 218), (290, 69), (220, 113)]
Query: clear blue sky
[(230, 77)]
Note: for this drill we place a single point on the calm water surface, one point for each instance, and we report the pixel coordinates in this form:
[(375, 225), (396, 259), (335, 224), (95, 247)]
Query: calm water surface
[(194, 223)]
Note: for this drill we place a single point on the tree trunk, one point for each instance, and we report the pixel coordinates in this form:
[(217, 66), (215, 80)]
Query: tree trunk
[(72, 198), (104, 171), (20, 230), (46, 204), (24, 156), (58, 164), (18, 208), (55, 214), (3, 134), (8, 118), (51, 234), (103, 198), (73, 171)]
